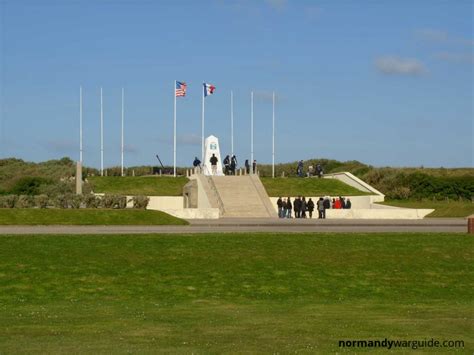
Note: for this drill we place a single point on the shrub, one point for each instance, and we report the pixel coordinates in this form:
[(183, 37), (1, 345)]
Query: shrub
[(140, 202), (91, 201), (8, 201), (41, 201), (75, 201), (29, 185), (107, 201), (61, 201), (58, 188), (24, 201), (121, 202)]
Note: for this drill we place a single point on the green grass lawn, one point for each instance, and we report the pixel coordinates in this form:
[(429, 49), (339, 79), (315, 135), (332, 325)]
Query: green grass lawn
[(228, 293), (442, 208), (308, 187), (139, 185), (17, 216)]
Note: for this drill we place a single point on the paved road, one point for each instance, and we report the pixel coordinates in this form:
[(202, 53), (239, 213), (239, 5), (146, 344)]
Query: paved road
[(227, 225)]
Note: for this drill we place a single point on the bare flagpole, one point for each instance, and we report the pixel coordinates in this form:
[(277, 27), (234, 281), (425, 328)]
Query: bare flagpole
[(202, 125), (174, 131), (80, 124), (101, 134), (251, 129), (232, 122), (122, 129), (273, 136)]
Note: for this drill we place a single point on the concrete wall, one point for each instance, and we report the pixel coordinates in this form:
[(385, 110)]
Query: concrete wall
[(396, 213), (353, 181), (194, 213)]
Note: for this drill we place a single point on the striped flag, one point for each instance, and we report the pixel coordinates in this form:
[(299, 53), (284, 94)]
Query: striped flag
[(180, 89), (208, 89)]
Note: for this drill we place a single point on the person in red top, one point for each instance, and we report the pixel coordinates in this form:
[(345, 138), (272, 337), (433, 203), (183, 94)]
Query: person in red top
[(337, 204)]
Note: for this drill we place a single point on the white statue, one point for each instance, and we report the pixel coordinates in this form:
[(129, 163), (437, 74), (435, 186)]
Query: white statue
[(211, 148)]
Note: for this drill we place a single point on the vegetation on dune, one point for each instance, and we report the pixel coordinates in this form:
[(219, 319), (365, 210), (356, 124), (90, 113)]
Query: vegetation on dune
[(222, 293), (86, 217), (308, 187), (55, 177)]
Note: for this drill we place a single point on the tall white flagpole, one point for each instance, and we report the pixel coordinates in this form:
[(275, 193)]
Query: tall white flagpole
[(80, 124), (101, 134), (202, 126), (174, 131), (273, 136), (251, 131), (232, 122), (122, 129)]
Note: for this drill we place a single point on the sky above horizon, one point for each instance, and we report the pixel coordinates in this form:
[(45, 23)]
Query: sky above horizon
[(388, 83)]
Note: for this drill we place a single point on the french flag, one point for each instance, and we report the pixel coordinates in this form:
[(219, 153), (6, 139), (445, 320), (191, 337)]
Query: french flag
[(208, 89)]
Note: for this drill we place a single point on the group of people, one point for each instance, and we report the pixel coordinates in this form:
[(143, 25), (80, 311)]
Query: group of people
[(311, 170), (230, 165), (304, 209)]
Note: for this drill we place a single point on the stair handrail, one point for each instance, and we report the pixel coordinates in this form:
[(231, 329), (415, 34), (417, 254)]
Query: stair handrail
[(220, 204)]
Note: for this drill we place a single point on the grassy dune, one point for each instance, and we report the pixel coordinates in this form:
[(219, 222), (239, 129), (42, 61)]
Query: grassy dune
[(19, 216), (139, 185), (308, 187), (232, 293)]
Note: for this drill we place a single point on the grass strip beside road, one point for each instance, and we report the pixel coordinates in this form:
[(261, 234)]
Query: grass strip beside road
[(285, 187), (441, 208), (139, 185), (224, 293), (50, 216)]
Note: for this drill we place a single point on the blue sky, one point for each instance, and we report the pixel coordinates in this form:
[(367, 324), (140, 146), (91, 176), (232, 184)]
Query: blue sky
[(389, 83)]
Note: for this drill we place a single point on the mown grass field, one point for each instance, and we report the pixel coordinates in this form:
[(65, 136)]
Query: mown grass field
[(52, 216), (308, 187), (139, 185), (441, 208), (260, 293)]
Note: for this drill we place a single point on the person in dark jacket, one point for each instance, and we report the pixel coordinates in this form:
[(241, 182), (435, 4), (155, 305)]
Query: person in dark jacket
[(327, 203), (226, 165), (254, 167), (299, 169), (213, 162), (303, 208), (310, 206), (233, 164), (247, 166), (289, 206), (280, 207), (196, 162), (297, 206), (348, 204)]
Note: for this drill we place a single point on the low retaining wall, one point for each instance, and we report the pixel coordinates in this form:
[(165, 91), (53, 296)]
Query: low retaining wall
[(397, 213), (194, 213)]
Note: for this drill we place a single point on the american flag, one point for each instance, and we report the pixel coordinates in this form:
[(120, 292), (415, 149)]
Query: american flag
[(180, 89)]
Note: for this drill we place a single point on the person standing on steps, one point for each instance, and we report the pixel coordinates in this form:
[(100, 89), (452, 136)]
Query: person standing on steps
[(213, 162), (233, 164), (226, 165), (247, 166), (254, 166)]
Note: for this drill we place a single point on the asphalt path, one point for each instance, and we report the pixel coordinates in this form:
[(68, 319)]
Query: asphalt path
[(251, 225)]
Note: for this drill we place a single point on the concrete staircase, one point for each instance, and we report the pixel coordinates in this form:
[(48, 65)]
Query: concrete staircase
[(243, 196)]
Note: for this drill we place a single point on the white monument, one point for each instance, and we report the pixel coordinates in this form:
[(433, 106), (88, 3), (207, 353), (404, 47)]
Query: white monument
[(211, 146)]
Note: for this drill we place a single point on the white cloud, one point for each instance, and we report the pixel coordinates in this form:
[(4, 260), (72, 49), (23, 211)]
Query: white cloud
[(455, 57), (399, 66)]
